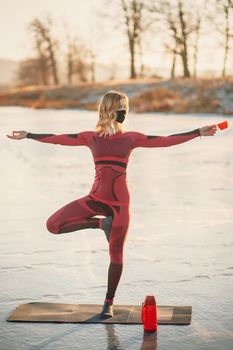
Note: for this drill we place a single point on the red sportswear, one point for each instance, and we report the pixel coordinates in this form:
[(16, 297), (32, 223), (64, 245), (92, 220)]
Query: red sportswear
[(111, 155)]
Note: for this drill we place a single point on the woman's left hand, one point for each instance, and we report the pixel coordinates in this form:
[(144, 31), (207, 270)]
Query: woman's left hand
[(208, 130)]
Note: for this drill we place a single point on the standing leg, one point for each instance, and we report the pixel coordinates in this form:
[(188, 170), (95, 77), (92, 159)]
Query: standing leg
[(118, 236), (78, 215)]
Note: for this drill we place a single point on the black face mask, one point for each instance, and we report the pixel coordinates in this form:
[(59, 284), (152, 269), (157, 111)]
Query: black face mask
[(121, 115)]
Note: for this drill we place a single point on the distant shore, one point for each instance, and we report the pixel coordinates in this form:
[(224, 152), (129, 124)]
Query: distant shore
[(146, 95)]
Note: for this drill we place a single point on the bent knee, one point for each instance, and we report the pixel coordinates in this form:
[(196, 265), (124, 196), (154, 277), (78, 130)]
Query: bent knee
[(52, 227)]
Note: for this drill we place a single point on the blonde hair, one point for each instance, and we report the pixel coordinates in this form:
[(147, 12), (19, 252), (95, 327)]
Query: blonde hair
[(107, 107)]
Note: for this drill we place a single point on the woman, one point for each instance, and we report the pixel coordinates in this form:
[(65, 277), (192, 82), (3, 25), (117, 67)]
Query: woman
[(111, 146)]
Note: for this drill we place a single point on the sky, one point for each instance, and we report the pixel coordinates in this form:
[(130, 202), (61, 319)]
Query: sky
[(81, 15), (15, 16)]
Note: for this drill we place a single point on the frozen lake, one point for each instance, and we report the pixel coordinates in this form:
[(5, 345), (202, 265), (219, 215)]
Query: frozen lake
[(179, 245)]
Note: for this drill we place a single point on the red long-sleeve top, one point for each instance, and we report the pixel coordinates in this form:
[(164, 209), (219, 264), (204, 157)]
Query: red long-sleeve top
[(111, 154)]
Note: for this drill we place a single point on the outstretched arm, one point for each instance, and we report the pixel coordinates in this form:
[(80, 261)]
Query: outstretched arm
[(63, 139), (142, 140), (79, 139)]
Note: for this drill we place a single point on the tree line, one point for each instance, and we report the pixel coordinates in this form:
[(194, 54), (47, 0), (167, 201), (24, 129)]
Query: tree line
[(178, 23)]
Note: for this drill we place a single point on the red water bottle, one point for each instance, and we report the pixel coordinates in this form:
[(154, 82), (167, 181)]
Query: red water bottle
[(149, 314)]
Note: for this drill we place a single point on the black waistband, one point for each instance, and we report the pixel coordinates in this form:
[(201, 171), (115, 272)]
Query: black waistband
[(122, 164)]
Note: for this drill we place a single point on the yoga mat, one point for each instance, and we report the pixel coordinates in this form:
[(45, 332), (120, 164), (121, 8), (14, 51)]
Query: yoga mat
[(89, 313)]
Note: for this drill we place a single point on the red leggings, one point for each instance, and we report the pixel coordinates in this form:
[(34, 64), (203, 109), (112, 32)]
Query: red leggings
[(79, 215)]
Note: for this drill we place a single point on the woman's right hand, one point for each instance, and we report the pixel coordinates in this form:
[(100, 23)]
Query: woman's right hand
[(208, 130), (18, 135)]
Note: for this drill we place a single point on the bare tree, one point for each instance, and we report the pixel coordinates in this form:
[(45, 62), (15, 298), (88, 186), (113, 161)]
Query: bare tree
[(185, 31), (82, 64), (197, 29), (173, 47), (71, 56), (227, 7), (220, 18), (137, 20), (45, 44), (43, 62), (79, 61), (179, 25), (173, 62), (132, 17)]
